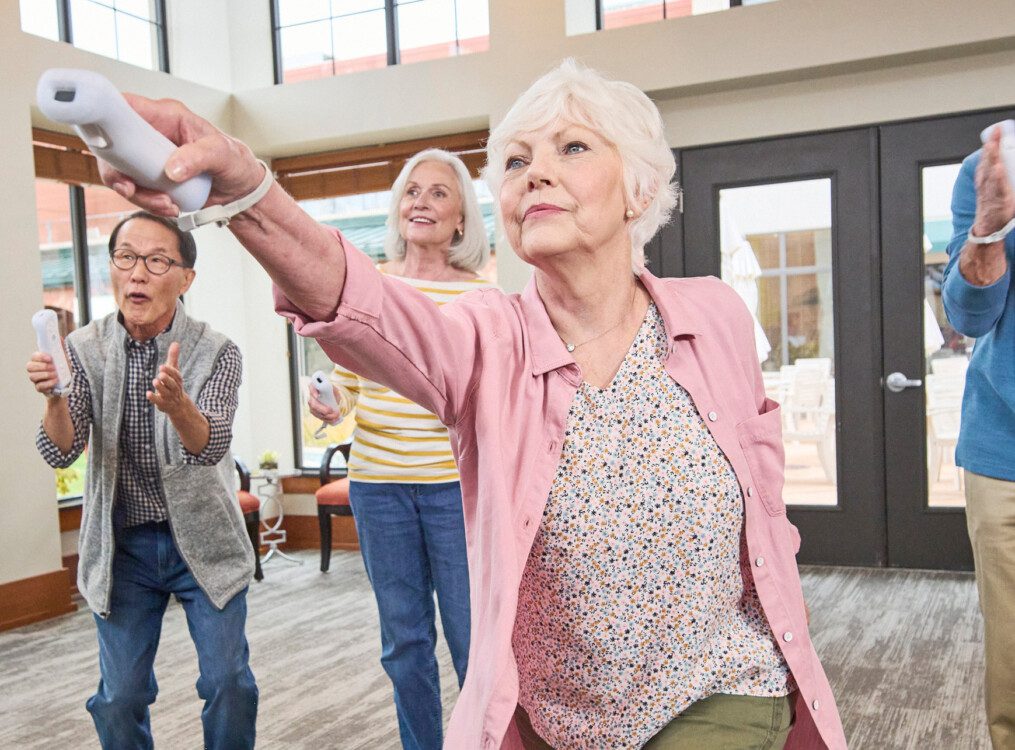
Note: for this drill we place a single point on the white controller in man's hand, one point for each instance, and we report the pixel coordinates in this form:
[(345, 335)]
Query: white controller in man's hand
[(1007, 145), (115, 133), (47, 334)]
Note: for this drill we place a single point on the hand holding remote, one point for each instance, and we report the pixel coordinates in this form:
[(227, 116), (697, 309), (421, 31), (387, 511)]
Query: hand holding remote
[(1007, 145), (323, 392), (199, 146), (43, 371), (116, 133)]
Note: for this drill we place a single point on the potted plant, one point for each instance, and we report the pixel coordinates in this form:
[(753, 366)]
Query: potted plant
[(268, 462)]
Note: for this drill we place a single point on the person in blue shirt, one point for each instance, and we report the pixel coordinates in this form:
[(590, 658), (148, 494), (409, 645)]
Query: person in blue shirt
[(979, 299)]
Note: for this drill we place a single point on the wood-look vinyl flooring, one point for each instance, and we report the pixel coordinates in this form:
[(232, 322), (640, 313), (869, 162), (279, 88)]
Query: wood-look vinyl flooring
[(903, 650)]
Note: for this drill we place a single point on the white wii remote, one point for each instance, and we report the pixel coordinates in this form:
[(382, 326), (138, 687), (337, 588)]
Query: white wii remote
[(1007, 145), (47, 333), (325, 394), (116, 133)]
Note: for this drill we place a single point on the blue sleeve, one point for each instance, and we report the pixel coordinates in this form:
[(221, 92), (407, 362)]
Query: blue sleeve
[(972, 310)]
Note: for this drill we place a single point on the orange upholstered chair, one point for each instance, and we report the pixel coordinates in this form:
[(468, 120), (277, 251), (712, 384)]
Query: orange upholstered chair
[(332, 499), (251, 506)]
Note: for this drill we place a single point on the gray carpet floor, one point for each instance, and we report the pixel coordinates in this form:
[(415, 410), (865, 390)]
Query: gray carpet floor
[(903, 650)]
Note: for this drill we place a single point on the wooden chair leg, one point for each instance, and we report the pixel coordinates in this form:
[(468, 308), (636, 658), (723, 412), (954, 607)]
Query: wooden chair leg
[(324, 521), (253, 523)]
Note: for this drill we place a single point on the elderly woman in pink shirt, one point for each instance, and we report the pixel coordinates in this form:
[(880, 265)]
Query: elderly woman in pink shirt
[(633, 572)]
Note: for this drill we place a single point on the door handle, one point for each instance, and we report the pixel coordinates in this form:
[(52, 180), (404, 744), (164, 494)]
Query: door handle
[(897, 382)]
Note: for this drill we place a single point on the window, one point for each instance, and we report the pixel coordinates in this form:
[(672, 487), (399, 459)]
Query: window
[(74, 223), (350, 190), (612, 14), (133, 31), (320, 38)]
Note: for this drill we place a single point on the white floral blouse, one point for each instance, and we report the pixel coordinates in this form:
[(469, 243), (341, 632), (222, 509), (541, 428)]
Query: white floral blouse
[(635, 601)]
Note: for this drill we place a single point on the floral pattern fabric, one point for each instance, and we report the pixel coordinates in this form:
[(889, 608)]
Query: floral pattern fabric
[(636, 599)]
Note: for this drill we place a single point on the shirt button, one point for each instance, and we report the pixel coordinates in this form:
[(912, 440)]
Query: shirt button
[(750, 492), (787, 636), (527, 522), (712, 416), (759, 562), (815, 704)]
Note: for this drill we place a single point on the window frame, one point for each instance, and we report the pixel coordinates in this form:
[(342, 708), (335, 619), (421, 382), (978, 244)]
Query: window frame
[(600, 16), (337, 173), (65, 28), (394, 53)]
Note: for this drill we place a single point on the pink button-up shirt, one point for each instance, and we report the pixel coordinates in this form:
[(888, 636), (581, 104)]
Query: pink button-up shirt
[(493, 369)]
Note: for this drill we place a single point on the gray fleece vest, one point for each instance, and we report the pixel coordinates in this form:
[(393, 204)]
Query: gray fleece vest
[(204, 515)]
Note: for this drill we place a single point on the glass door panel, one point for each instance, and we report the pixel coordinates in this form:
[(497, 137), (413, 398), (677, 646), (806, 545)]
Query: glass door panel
[(946, 350), (787, 222), (776, 248)]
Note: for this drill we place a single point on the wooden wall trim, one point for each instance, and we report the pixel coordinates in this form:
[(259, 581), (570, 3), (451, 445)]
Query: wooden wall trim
[(33, 599), (63, 157), (70, 517), (302, 532), (368, 169)]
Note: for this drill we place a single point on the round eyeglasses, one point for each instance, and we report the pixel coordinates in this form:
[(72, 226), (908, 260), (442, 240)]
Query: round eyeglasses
[(156, 264)]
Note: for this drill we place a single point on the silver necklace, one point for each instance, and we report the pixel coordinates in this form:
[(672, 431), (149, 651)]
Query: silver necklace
[(571, 346)]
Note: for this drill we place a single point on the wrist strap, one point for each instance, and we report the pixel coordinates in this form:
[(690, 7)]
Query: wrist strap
[(222, 214), (997, 236)]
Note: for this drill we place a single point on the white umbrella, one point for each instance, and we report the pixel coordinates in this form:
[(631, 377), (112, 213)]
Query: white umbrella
[(740, 269)]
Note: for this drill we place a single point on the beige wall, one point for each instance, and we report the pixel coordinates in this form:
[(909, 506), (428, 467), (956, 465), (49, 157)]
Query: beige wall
[(784, 67)]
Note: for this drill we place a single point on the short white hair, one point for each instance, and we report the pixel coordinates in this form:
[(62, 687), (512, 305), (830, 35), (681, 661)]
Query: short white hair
[(617, 111), (471, 250)]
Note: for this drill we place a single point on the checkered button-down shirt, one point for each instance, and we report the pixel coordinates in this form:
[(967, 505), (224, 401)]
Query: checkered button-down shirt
[(139, 495)]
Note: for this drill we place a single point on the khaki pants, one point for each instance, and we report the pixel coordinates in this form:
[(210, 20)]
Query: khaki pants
[(990, 514), (719, 722)]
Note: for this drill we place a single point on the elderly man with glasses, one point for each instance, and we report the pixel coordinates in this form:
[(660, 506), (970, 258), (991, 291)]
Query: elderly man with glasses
[(154, 393)]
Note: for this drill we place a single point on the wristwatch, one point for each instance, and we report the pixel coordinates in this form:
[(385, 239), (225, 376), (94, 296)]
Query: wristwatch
[(993, 237)]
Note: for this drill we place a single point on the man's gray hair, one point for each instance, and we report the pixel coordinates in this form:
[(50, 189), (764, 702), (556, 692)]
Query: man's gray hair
[(471, 250), (618, 112)]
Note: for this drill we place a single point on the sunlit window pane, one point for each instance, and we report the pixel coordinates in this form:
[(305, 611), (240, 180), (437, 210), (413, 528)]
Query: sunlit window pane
[(39, 17), (319, 38), (360, 41), (143, 9), (136, 41), (427, 30), (93, 27), (306, 51), (301, 11)]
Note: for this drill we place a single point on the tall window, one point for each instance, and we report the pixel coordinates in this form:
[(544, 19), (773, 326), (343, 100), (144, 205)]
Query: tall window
[(350, 190), (361, 219), (612, 14), (133, 31), (74, 222), (320, 38)]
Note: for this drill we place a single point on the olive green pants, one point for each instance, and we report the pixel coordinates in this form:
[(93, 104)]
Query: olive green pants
[(719, 722)]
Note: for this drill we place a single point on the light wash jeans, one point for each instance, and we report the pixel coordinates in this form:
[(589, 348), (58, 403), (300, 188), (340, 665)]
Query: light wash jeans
[(147, 570), (412, 537)]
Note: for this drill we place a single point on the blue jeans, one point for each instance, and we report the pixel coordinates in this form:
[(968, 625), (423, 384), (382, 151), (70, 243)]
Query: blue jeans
[(412, 537), (147, 570)]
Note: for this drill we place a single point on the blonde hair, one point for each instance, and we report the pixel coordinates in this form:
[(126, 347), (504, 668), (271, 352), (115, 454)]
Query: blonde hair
[(471, 250)]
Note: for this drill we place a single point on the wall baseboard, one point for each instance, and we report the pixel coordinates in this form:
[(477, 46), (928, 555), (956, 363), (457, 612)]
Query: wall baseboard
[(33, 599), (70, 562), (302, 532)]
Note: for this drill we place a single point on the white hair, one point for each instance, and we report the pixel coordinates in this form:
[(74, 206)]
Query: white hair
[(617, 111), (471, 249)]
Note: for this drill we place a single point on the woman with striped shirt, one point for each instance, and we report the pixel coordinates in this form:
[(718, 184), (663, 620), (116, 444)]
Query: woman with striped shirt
[(404, 488)]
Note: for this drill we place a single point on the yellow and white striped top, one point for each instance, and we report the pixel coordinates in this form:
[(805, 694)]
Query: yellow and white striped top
[(396, 440)]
